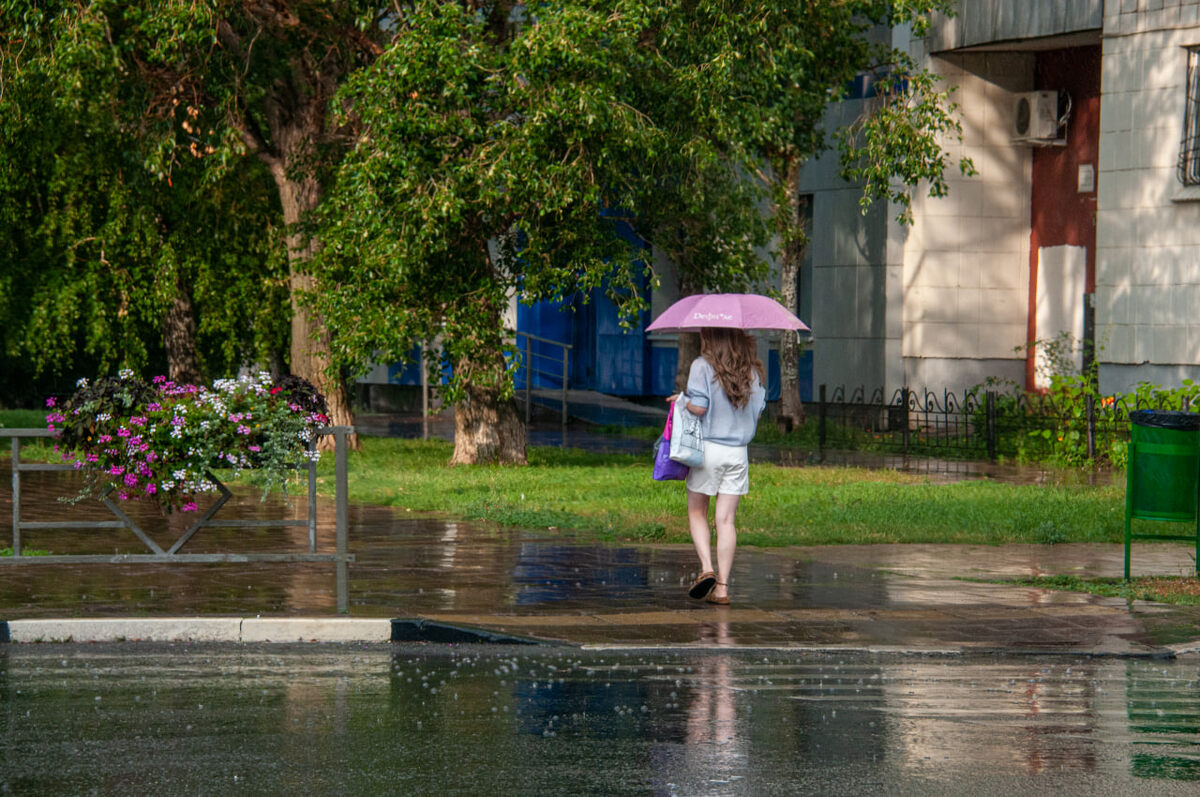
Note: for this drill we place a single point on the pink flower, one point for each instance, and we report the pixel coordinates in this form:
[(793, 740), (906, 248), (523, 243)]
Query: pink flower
[(92, 458), (116, 470), (131, 479), (255, 449), (153, 407), (150, 489), (150, 457), (243, 430), (123, 432), (190, 506), (50, 402), (158, 380), (137, 420), (104, 438), (123, 496)]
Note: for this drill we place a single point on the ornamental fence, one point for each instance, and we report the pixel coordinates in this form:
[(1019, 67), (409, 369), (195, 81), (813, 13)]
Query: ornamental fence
[(979, 423)]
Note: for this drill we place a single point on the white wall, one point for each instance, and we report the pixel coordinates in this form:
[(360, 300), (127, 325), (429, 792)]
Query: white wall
[(1148, 225), (965, 261)]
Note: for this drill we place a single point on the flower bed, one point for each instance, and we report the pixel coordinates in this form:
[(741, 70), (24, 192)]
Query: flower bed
[(160, 440)]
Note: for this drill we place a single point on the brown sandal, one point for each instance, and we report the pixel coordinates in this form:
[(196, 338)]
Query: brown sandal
[(703, 585), (722, 600)]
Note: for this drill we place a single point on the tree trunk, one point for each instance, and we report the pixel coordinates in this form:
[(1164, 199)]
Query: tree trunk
[(310, 351), (486, 427), (179, 336), (688, 343), (795, 242)]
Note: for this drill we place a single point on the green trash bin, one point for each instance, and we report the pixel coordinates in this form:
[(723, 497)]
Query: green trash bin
[(1162, 478)]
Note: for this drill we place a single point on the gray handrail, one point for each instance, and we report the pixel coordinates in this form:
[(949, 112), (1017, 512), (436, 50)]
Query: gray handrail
[(531, 370)]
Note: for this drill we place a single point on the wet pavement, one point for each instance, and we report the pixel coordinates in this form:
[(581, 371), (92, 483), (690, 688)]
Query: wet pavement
[(333, 719), (553, 587)]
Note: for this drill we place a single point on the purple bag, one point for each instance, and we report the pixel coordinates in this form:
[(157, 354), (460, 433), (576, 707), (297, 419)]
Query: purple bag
[(665, 468)]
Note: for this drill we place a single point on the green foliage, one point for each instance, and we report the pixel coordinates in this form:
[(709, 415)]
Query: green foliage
[(114, 204), (493, 157)]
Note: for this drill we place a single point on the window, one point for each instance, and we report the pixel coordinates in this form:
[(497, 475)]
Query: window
[(1189, 149)]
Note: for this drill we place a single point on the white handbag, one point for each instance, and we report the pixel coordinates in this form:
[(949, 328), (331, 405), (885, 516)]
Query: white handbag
[(687, 443)]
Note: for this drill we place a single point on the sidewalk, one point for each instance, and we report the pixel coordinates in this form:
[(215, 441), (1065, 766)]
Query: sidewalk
[(551, 587)]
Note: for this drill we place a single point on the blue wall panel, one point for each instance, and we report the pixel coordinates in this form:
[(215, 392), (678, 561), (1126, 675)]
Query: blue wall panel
[(550, 320), (806, 376), (406, 373), (663, 362)]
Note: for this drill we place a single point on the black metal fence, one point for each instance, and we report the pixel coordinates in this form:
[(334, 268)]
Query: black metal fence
[(979, 423)]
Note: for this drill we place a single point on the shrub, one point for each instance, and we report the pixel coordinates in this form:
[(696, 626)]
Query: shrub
[(162, 440)]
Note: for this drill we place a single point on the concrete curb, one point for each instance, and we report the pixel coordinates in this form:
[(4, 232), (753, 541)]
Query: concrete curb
[(197, 629), (250, 630)]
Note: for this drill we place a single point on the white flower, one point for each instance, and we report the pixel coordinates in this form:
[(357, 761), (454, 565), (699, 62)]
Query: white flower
[(82, 382), (125, 373), (104, 416)]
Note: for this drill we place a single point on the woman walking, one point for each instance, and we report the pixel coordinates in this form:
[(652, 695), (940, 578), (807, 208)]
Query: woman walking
[(725, 388)]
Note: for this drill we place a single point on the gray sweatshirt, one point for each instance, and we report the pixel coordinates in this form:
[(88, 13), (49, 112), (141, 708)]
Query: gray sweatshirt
[(722, 423)]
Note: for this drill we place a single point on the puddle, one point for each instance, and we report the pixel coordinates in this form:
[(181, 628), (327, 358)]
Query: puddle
[(466, 720)]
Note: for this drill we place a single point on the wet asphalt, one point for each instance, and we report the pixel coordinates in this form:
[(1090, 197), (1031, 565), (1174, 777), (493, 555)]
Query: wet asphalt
[(435, 719)]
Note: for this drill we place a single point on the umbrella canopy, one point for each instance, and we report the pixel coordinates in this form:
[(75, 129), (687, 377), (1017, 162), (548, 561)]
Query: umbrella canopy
[(736, 310)]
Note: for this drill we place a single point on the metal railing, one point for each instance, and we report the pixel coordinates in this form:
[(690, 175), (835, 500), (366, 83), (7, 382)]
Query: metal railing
[(976, 423), (340, 556), (534, 364)]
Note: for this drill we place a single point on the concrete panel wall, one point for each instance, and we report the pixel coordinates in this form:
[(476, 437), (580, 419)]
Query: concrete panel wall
[(850, 282), (1148, 224), (965, 261)]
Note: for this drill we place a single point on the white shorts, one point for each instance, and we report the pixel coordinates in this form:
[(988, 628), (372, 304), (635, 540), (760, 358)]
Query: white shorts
[(726, 471)]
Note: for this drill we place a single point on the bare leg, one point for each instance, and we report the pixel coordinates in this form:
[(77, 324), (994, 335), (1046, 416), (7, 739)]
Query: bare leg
[(697, 504), (725, 513)]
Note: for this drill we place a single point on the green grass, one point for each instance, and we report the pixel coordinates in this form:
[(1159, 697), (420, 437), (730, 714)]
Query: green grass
[(1160, 589), (612, 496), (23, 419)]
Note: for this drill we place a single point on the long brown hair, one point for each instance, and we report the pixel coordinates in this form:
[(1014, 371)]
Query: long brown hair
[(733, 356)]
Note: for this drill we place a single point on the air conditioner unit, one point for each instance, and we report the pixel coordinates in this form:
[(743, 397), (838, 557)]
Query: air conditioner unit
[(1035, 116)]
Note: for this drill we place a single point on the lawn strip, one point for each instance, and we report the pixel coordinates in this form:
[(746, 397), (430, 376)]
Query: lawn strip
[(611, 496)]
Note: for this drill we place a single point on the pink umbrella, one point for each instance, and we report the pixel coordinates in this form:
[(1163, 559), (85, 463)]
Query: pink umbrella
[(737, 310)]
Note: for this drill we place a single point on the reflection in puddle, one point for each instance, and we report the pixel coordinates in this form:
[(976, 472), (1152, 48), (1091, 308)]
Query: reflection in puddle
[(373, 720)]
